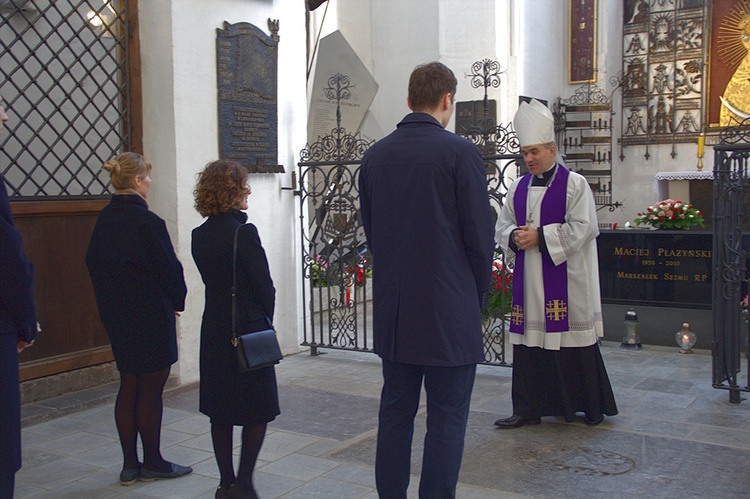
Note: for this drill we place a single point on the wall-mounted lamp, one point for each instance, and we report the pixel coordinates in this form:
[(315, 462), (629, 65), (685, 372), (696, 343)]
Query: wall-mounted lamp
[(103, 19)]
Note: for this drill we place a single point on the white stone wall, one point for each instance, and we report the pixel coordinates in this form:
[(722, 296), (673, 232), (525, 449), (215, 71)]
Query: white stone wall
[(530, 40), (178, 47)]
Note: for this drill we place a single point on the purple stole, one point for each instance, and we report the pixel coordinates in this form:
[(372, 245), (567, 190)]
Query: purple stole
[(555, 277)]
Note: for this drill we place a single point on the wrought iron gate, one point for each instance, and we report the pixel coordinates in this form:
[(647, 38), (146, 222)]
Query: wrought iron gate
[(731, 248), (335, 261), (334, 253)]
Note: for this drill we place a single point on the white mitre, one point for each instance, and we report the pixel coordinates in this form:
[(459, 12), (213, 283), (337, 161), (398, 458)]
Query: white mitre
[(534, 124)]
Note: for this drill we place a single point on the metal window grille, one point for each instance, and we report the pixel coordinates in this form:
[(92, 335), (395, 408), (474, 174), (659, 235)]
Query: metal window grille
[(64, 70)]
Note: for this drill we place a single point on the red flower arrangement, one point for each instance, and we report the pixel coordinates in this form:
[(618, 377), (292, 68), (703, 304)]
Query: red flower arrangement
[(501, 290), (670, 214)]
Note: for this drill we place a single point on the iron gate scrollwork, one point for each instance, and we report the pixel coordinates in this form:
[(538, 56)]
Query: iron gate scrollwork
[(500, 150), (336, 264), (731, 248), (334, 252)]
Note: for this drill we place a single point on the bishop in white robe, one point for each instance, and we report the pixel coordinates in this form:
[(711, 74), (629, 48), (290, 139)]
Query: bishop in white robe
[(548, 221)]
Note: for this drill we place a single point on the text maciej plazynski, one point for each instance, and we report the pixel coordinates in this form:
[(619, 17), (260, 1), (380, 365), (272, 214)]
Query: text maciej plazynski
[(663, 252)]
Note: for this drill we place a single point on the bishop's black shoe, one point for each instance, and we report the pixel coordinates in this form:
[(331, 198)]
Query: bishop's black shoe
[(595, 421), (516, 422)]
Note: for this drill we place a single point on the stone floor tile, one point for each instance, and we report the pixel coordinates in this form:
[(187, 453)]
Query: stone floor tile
[(319, 447), (270, 486), (352, 473), (185, 487), (664, 385), (467, 492), (31, 439), (201, 442), (75, 443), (300, 467), (325, 488), (57, 428), (78, 490), (55, 474), (721, 419), (105, 456), (194, 425), (282, 444), (723, 436), (327, 414), (27, 491), (651, 426), (169, 437), (173, 415)]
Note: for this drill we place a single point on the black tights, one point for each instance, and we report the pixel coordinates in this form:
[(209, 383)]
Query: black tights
[(252, 440), (138, 410)]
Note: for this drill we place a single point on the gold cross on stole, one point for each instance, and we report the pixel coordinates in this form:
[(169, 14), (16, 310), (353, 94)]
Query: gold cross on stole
[(556, 310)]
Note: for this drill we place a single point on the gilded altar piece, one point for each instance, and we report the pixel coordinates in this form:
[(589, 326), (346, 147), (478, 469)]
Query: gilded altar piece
[(734, 48)]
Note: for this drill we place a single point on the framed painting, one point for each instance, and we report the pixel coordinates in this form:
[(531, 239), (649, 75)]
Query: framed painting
[(728, 63), (582, 42)]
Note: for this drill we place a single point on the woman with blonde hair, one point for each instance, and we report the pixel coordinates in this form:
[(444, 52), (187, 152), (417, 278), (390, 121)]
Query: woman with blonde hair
[(227, 396), (139, 288)]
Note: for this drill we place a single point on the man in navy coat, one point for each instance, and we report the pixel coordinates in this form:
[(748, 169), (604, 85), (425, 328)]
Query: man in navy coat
[(18, 329), (427, 218)]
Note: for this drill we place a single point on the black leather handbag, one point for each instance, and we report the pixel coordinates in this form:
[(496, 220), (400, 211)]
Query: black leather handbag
[(256, 349)]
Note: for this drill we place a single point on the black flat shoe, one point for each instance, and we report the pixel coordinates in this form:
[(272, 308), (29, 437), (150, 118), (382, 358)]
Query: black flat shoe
[(237, 493), (129, 477), (223, 492), (175, 472), (595, 421), (516, 422)]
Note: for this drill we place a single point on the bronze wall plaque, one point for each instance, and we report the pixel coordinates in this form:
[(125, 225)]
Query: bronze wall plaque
[(247, 62)]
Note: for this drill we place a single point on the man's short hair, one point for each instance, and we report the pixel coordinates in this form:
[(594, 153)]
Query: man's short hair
[(428, 83)]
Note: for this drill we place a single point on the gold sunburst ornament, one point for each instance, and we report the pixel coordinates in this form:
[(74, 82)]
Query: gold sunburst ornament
[(731, 48)]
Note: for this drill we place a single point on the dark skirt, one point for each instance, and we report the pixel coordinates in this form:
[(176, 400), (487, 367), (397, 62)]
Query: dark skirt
[(561, 383), (143, 352)]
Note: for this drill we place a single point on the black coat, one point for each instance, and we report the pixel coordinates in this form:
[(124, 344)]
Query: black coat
[(428, 222), (138, 282), (17, 321), (227, 395)]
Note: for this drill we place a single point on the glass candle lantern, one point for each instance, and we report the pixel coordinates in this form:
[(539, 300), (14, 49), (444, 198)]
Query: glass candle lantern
[(686, 338), (630, 338)]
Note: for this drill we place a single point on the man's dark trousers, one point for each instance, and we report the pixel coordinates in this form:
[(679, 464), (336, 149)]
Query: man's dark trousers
[(448, 397)]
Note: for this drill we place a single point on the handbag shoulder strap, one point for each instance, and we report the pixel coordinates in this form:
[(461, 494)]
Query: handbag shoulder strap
[(234, 289), (234, 286)]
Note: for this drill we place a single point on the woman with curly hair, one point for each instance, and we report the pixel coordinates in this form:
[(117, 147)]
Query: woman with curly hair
[(227, 396), (139, 288)]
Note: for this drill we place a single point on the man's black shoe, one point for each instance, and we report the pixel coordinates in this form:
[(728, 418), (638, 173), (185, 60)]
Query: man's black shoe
[(516, 421)]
